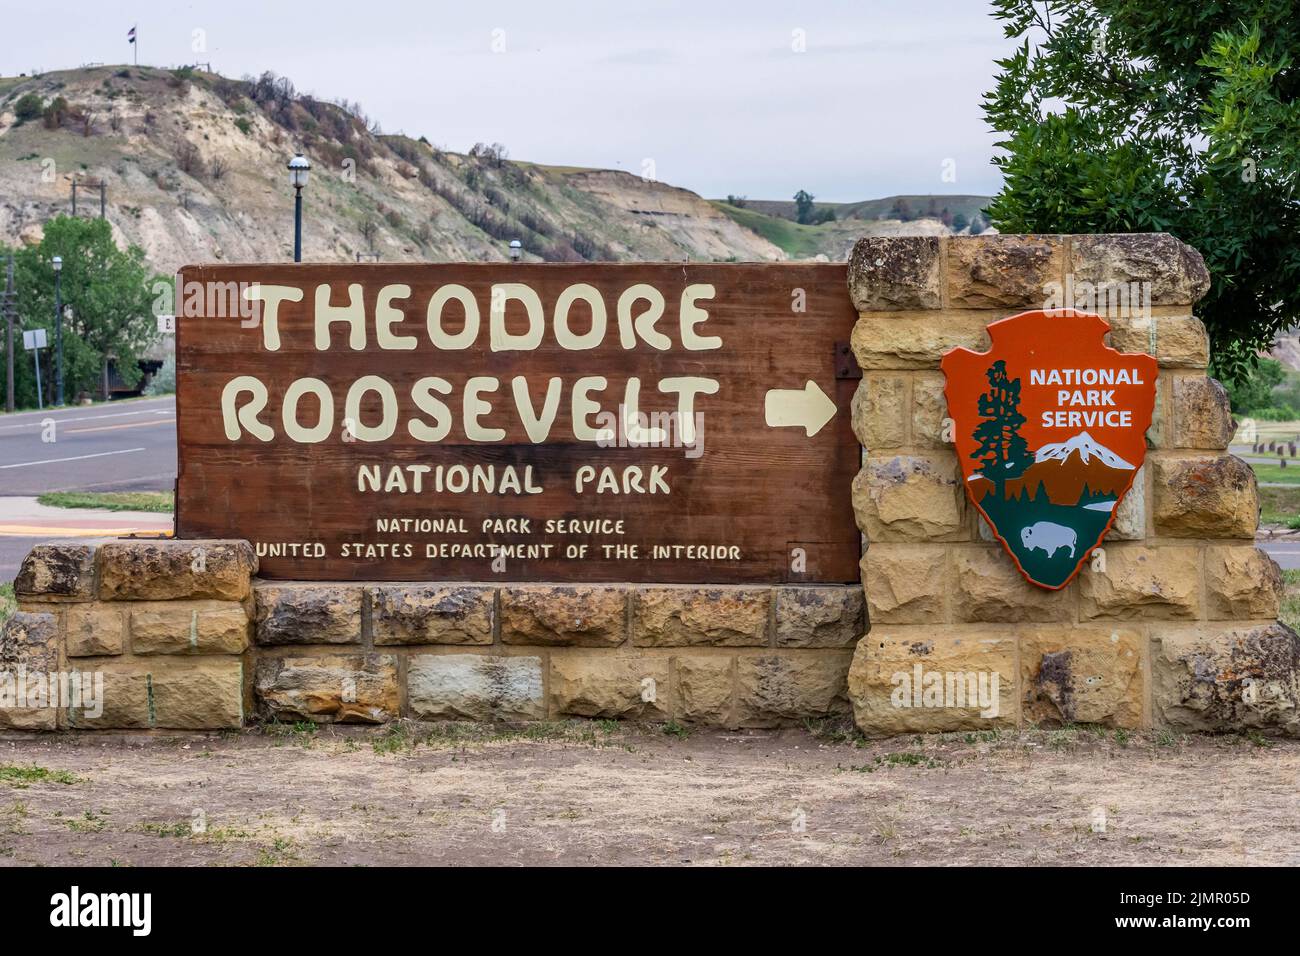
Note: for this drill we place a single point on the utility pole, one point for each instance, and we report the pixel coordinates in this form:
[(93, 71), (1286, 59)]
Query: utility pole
[(10, 306)]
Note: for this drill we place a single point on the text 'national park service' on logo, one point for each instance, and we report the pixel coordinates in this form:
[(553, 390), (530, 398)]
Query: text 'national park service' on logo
[(1050, 430)]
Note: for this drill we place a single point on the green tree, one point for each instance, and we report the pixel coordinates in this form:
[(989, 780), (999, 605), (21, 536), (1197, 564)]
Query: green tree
[(1255, 391), (1145, 115), (803, 206), (1002, 452), (110, 294)]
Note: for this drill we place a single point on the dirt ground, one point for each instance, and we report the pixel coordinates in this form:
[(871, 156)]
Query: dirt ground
[(592, 793)]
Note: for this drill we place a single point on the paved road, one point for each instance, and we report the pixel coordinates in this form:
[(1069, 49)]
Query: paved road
[(121, 446), (1285, 551)]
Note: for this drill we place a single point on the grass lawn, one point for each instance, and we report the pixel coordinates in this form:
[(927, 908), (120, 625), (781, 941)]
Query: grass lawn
[(1290, 474), (1290, 613), (156, 501), (1279, 505)]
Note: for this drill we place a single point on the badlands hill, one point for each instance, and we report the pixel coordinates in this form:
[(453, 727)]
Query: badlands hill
[(193, 163)]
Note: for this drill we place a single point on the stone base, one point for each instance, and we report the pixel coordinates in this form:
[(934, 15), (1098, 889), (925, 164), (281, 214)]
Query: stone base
[(208, 645)]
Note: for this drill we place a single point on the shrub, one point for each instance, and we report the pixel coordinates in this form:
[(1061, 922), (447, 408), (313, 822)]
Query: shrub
[(164, 380), (28, 107)]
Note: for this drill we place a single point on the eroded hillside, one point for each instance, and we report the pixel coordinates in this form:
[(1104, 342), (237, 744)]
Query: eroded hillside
[(194, 169)]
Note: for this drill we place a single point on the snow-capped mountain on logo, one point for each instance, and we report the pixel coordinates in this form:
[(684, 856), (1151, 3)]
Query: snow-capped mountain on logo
[(1086, 447)]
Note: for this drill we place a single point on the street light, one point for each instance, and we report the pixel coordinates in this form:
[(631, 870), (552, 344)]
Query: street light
[(516, 250), (57, 262), (298, 170)]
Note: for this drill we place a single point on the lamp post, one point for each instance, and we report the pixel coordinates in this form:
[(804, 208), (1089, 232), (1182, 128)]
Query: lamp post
[(298, 169), (516, 250), (57, 262)]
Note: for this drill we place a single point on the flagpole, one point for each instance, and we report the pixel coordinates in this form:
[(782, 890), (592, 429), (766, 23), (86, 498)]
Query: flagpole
[(135, 43)]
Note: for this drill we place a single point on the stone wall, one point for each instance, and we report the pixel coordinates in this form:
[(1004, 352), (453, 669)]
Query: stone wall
[(188, 637), (167, 624), (1172, 625)]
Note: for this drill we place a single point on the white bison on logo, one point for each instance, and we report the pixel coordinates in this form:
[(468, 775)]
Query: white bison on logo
[(1048, 537)]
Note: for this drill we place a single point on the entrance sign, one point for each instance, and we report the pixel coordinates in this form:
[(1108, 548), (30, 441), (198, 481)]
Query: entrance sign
[(1050, 432), (614, 422)]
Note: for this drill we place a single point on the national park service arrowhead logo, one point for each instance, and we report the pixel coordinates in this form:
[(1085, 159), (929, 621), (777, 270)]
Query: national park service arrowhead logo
[(1050, 430)]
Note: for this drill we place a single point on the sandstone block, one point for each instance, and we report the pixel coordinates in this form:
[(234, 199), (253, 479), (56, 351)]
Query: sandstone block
[(583, 616), (775, 689), (895, 272), (705, 688), (990, 588), (203, 694), (919, 680), (906, 498), (307, 613), (1175, 341), (1084, 675), (929, 409), (1140, 582), (189, 627), (165, 570), (880, 411), (993, 271), (915, 340), (29, 654), (819, 616), (1242, 583), (95, 630), (1234, 679), (692, 616), (602, 684), (905, 583), (1175, 272), (1131, 516), (1205, 498), (1202, 416), (57, 572), (432, 614), (338, 688), (475, 687)]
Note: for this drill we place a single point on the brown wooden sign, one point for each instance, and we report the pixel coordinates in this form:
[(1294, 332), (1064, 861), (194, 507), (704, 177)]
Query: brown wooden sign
[(648, 423)]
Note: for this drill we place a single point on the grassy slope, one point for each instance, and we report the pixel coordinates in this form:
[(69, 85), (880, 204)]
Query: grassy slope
[(795, 239)]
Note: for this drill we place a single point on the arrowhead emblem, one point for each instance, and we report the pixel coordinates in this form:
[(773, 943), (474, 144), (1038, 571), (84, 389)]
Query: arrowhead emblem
[(1050, 431), (808, 408)]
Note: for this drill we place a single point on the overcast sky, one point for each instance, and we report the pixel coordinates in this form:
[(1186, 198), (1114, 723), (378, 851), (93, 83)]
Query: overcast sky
[(715, 94)]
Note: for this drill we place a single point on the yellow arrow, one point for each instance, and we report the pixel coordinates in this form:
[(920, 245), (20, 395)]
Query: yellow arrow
[(808, 408)]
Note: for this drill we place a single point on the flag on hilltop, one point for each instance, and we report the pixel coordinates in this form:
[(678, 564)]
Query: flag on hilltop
[(130, 35)]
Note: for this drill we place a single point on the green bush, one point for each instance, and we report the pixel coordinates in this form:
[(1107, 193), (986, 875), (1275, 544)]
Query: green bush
[(1274, 413), (164, 380), (1254, 390), (28, 107)]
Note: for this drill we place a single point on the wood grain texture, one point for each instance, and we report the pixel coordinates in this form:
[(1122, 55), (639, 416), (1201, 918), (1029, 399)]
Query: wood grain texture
[(761, 490)]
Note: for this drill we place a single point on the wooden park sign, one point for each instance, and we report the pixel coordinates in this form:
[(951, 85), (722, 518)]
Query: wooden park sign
[(660, 422), (1050, 430)]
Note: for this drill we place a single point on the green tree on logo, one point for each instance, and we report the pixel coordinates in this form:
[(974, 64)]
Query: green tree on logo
[(1002, 452)]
